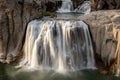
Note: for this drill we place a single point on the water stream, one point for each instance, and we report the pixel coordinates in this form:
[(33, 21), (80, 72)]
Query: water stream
[(67, 7)]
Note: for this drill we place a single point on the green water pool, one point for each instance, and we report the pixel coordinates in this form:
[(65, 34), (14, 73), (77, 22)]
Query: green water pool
[(10, 73)]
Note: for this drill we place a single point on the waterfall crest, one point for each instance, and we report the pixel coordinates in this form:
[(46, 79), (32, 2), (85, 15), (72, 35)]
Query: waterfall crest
[(58, 45), (67, 6)]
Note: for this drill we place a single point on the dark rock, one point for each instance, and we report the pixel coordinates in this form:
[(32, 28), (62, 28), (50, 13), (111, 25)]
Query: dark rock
[(105, 4), (51, 6)]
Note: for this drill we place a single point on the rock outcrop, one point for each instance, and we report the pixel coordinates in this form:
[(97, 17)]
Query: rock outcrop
[(105, 4), (105, 31), (14, 16)]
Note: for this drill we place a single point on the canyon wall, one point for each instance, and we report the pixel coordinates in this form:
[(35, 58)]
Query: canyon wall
[(105, 32), (14, 16)]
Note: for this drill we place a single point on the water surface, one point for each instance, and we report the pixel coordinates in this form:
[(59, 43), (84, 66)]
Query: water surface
[(8, 72)]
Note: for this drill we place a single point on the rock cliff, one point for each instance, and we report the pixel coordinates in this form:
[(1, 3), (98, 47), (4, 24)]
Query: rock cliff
[(105, 31), (14, 16)]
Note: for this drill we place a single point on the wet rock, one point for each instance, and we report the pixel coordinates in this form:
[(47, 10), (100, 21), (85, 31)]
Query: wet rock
[(2, 58), (9, 58)]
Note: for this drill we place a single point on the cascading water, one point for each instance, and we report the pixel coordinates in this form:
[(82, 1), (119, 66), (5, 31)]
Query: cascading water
[(84, 8), (67, 6), (59, 45)]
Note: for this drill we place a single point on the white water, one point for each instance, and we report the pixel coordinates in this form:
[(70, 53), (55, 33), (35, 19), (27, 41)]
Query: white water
[(84, 8), (58, 45), (67, 6)]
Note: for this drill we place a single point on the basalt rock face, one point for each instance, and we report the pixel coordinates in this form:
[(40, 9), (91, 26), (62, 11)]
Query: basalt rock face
[(105, 31), (14, 16)]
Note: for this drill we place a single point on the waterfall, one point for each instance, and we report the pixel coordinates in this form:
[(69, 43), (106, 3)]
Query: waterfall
[(84, 8), (67, 6), (58, 45)]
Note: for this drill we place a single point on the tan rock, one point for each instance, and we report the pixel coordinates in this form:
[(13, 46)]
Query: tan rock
[(13, 20), (105, 30)]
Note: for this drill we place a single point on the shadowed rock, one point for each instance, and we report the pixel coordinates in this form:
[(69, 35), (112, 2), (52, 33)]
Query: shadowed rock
[(105, 4)]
